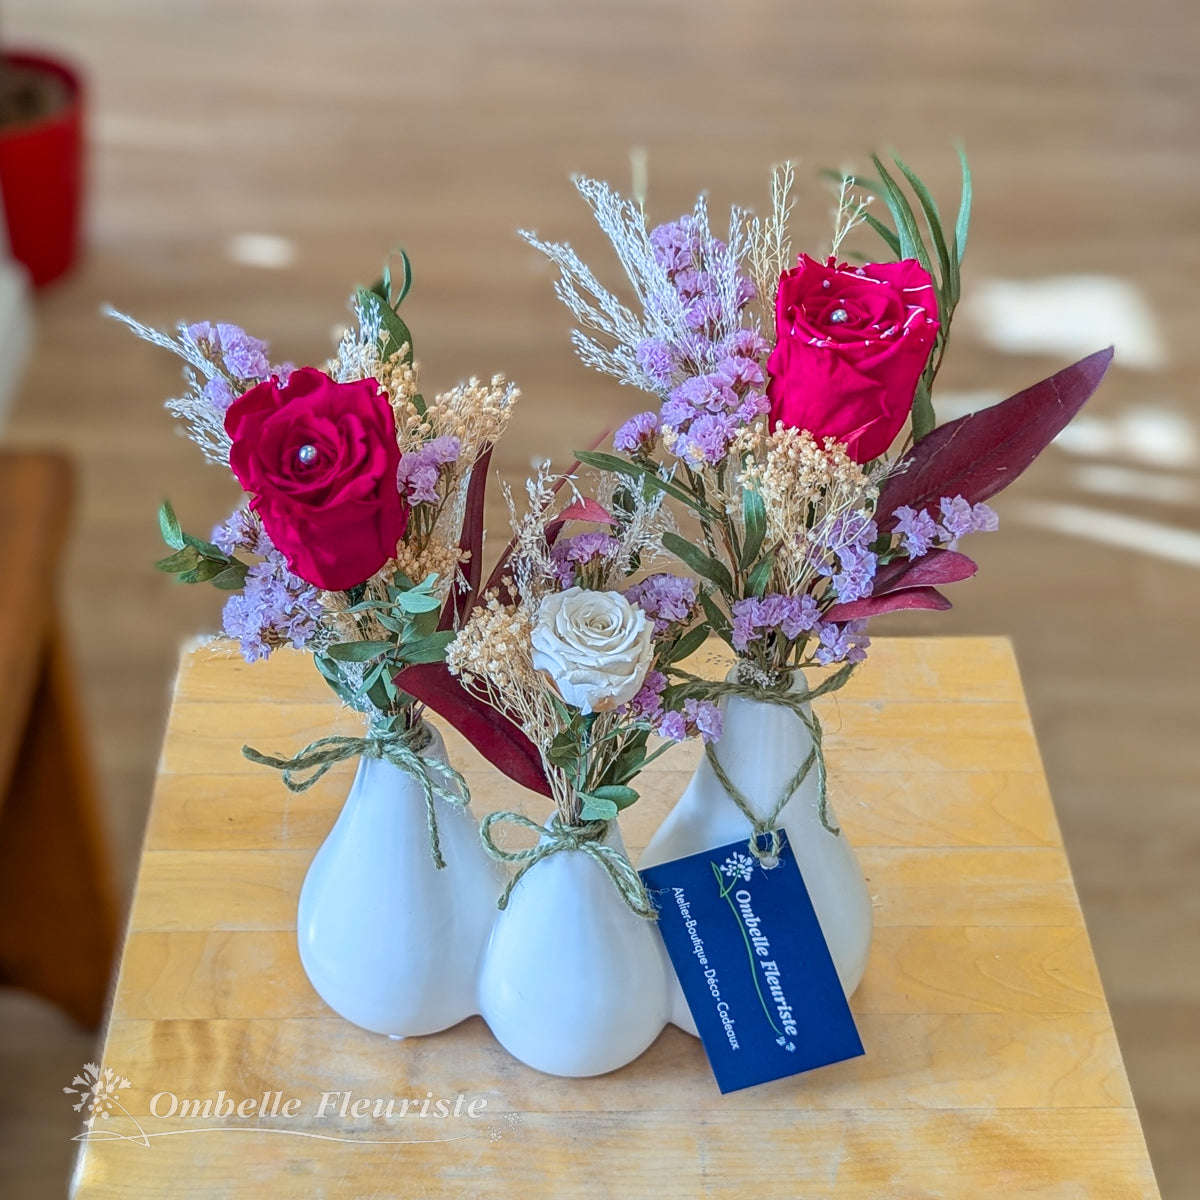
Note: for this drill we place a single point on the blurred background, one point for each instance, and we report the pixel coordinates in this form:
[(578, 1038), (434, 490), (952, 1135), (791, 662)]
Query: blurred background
[(250, 160)]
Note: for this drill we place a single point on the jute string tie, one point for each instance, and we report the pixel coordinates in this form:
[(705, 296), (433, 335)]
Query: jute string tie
[(400, 747), (765, 842), (557, 837)]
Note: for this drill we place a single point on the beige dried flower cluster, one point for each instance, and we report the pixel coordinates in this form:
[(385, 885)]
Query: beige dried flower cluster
[(805, 486), (492, 655)]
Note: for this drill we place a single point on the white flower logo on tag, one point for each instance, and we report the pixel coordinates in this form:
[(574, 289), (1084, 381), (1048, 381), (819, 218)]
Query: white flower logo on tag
[(738, 866)]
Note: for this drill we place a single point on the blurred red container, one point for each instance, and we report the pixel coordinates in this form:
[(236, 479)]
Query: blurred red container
[(41, 177)]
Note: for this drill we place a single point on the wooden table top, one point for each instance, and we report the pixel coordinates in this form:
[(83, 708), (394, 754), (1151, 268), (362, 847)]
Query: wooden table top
[(992, 1069)]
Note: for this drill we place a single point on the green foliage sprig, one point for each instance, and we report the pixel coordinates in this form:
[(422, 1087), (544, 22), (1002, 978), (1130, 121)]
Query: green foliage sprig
[(195, 560)]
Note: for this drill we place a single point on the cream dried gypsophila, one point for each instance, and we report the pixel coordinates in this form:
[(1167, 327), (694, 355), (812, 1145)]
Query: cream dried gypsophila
[(805, 485), (491, 654)]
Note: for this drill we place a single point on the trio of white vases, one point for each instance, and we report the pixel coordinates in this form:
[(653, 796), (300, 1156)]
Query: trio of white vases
[(568, 979)]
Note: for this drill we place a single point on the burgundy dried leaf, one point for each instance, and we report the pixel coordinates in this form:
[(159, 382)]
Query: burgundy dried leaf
[(876, 606), (493, 735), (460, 602), (936, 567), (979, 455)]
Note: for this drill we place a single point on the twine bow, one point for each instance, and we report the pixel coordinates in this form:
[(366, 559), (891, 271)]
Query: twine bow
[(400, 747), (557, 837), (764, 828)]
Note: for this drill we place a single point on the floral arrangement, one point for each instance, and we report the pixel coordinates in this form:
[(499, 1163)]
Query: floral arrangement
[(349, 544), (784, 386), (573, 657)]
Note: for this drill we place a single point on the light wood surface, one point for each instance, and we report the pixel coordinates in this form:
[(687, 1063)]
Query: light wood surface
[(992, 1069)]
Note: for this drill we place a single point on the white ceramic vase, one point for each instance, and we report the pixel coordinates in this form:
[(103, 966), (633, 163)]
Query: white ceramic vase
[(761, 749), (573, 983), (389, 941)]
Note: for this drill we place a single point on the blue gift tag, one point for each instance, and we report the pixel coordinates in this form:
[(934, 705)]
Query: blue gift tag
[(753, 964)]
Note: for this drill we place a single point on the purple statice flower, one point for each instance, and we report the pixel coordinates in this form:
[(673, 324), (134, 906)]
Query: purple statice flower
[(957, 518), (755, 405), (845, 642), (672, 726), (244, 357), (657, 360), (918, 530), (985, 517), (706, 717), (746, 343), (274, 606), (701, 717), (676, 244), (638, 434), (846, 554), (773, 613), (420, 469), (283, 372), (647, 704), (664, 598), (856, 573), (960, 517), (571, 553), (241, 532), (707, 439), (218, 393)]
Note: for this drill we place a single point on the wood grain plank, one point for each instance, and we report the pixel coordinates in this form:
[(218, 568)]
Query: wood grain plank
[(1040, 1154), (246, 973), (973, 1060)]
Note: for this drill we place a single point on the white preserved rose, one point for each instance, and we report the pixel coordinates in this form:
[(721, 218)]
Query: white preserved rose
[(595, 646)]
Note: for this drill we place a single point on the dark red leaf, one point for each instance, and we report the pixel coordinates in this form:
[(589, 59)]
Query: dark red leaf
[(978, 455), (460, 602), (585, 509), (936, 567), (493, 735), (875, 606)]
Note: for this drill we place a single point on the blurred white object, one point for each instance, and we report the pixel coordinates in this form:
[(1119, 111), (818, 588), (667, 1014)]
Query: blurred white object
[(266, 250), (1158, 437), (16, 323), (1112, 529), (1067, 315)]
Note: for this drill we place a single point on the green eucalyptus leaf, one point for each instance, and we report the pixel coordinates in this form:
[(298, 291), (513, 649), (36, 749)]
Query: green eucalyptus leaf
[(207, 549), (358, 651), (923, 418), (231, 578), (417, 602), (637, 470), (754, 517), (911, 243), (963, 222), (168, 525), (203, 571), (182, 560), (593, 808), (391, 324), (703, 564), (427, 649), (757, 580), (933, 222), (619, 793), (688, 644), (718, 622)]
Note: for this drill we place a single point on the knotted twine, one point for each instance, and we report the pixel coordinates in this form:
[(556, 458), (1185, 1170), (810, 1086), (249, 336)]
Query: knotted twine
[(557, 837), (400, 747), (764, 828)]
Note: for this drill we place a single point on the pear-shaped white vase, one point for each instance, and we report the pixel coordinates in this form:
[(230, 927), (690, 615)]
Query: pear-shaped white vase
[(761, 749), (389, 941), (573, 982)]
